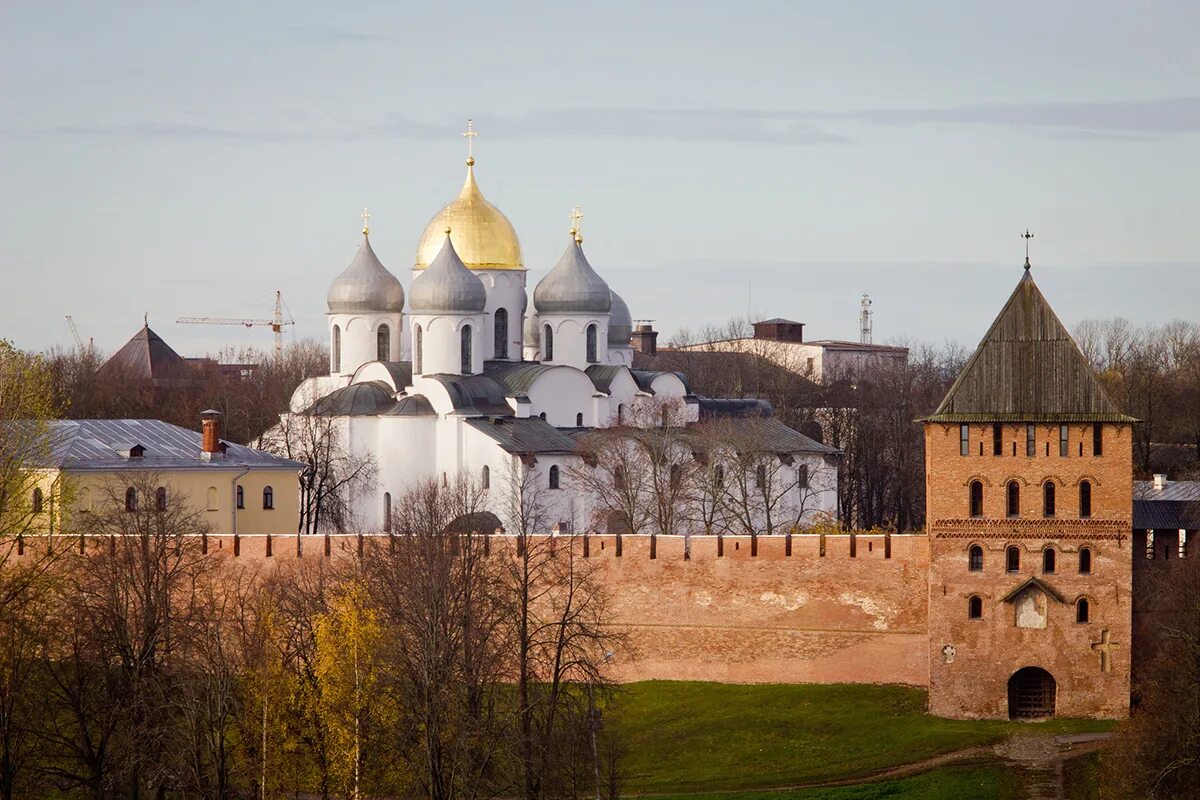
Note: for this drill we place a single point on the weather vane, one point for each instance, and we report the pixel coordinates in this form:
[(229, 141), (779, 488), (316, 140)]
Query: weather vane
[(470, 133), (1027, 236), (366, 215)]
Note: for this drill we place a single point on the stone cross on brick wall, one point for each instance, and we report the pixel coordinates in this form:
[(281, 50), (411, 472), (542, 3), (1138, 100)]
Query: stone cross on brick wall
[(1104, 647)]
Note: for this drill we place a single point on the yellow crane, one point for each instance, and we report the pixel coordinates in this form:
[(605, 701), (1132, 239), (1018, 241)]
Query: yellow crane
[(276, 323)]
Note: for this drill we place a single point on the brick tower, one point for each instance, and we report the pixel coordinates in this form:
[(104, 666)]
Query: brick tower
[(1029, 508)]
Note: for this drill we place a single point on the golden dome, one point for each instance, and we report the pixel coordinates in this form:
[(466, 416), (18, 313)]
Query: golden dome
[(482, 236)]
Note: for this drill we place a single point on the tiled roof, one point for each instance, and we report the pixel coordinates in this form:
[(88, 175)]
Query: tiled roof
[(96, 444)]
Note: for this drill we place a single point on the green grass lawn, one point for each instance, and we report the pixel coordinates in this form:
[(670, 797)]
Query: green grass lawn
[(967, 782), (687, 736)]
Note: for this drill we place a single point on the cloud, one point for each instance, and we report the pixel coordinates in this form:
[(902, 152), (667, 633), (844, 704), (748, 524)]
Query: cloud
[(1131, 121)]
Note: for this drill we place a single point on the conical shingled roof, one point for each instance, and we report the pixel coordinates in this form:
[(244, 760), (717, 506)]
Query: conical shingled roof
[(1027, 369), (148, 357)]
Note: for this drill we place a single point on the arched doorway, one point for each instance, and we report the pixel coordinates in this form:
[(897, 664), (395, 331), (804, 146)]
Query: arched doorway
[(1031, 694)]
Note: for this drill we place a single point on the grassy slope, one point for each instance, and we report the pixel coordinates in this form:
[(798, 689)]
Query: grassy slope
[(686, 736), (967, 782)]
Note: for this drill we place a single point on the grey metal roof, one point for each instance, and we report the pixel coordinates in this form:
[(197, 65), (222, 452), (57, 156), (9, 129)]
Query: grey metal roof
[(644, 377), (1174, 490), (365, 286), (1027, 367), (602, 375), (474, 394), (620, 322), (148, 357), (713, 407), (356, 400), (572, 286), (524, 435), (768, 434), (516, 377), (400, 371), (415, 405), (446, 286), (95, 444)]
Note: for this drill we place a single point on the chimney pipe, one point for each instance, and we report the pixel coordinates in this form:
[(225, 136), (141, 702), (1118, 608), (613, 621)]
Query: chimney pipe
[(210, 434)]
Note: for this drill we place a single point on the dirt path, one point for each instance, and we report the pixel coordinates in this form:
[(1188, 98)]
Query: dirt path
[(1039, 758)]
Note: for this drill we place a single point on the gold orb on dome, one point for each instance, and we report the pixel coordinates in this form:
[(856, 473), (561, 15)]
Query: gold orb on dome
[(482, 236)]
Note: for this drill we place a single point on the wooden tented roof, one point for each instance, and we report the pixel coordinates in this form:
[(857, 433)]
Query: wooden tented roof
[(1027, 369)]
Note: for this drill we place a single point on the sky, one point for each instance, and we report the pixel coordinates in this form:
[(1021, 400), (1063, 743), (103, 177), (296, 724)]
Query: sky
[(770, 159)]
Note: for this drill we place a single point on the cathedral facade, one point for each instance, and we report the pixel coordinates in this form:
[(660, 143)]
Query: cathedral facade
[(463, 377)]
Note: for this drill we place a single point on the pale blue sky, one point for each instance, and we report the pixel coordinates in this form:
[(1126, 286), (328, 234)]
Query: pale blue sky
[(189, 159)]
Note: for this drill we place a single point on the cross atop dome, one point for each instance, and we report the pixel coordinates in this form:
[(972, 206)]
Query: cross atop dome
[(470, 133), (1027, 236)]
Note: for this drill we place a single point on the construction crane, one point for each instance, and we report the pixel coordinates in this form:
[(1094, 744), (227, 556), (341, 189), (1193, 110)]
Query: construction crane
[(277, 323), (78, 339)]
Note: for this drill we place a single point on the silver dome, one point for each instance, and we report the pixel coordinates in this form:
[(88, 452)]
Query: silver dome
[(572, 286), (620, 323), (365, 286), (446, 286)]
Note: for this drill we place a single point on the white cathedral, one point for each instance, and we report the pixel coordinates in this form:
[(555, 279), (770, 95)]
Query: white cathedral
[(470, 380)]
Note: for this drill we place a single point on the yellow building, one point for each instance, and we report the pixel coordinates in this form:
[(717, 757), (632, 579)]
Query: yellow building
[(105, 464)]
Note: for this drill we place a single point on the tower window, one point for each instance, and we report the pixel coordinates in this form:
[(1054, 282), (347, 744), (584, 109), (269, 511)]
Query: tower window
[(1083, 611), (579, 420), (500, 333), (802, 476), (383, 343), (1048, 560), (976, 499), (418, 348), (486, 480), (591, 344), (1030, 440), (975, 558), (964, 440), (997, 440), (1085, 500), (974, 608), (1013, 492), (1048, 499), (1097, 439), (335, 349), (554, 481), (1012, 559), (268, 498), (1063, 440), (465, 350), (548, 343), (1085, 561)]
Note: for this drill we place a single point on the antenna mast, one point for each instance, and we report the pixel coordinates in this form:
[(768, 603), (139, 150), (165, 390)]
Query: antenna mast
[(865, 320)]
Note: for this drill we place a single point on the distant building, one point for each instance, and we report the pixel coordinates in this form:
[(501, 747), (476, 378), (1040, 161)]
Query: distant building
[(146, 357), (104, 463), (822, 360)]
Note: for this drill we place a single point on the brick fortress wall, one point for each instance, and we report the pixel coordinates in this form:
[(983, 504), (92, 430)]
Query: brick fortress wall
[(839, 608)]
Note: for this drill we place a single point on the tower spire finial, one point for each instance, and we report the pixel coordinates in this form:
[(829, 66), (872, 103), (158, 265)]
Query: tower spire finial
[(470, 133), (1027, 236), (366, 215), (576, 216), (447, 214)]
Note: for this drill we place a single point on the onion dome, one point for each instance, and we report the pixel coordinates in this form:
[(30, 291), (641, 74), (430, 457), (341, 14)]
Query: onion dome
[(572, 287), (620, 323), (482, 235), (447, 286), (365, 286)]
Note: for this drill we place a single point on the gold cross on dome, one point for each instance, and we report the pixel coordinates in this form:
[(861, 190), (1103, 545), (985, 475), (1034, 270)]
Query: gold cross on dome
[(366, 215), (470, 133), (576, 216)]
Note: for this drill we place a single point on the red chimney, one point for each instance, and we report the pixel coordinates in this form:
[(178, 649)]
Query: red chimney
[(210, 433)]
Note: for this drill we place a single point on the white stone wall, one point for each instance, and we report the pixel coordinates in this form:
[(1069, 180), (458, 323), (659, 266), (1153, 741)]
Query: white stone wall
[(359, 342)]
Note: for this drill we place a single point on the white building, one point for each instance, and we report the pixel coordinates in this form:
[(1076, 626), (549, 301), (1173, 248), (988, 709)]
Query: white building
[(470, 380)]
